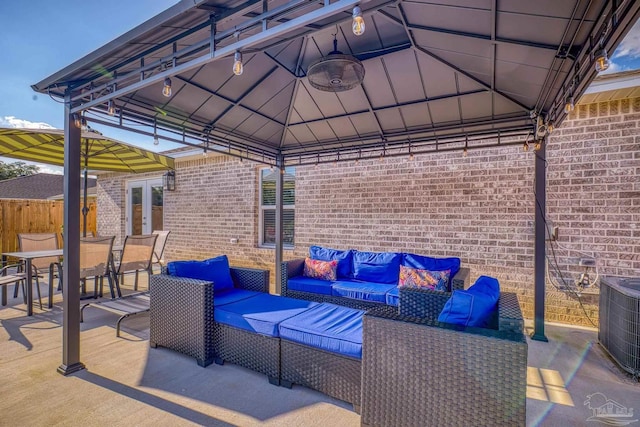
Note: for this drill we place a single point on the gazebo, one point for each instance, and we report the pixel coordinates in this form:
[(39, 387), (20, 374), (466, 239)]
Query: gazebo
[(297, 82)]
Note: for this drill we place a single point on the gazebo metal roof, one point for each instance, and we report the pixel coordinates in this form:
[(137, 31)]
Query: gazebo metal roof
[(439, 74)]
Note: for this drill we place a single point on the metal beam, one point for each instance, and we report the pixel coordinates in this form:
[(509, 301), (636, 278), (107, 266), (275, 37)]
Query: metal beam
[(388, 107), (539, 245), (301, 21), (279, 221), (476, 36), (71, 268)]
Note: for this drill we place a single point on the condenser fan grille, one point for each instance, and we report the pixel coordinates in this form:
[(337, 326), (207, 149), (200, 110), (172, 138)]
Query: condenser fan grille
[(336, 72)]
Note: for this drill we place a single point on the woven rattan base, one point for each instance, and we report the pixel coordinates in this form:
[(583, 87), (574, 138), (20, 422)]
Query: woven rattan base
[(332, 374), (257, 352)]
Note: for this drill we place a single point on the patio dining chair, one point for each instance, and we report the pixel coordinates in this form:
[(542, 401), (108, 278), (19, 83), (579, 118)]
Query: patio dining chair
[(40, 242), (95, 261), (137, 254), (7, 279), (158, 248)]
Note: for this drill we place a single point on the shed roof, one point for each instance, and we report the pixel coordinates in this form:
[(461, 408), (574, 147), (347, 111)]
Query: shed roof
[(437, 72)]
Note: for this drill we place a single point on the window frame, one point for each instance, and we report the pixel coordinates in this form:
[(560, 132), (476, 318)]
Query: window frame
[(262, 208)]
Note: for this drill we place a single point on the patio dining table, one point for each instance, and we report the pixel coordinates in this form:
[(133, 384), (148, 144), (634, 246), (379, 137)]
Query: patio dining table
[(28, 257)]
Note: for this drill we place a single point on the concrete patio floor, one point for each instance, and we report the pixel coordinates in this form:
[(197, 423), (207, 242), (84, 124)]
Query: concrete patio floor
[(127, 383)]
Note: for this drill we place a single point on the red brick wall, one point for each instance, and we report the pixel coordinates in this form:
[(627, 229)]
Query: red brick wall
[(479, 207)]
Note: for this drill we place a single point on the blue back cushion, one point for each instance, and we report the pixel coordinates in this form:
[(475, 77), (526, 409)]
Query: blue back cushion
[(215, 270), (431, 264), (378, 267), (473, 306), (326, 254)]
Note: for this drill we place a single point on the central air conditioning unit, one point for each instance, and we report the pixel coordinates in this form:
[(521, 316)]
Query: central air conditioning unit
[(619, 332)]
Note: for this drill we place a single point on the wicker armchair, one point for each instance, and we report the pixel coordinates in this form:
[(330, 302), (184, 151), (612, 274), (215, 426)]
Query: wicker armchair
[(417, 371), (181, 314)]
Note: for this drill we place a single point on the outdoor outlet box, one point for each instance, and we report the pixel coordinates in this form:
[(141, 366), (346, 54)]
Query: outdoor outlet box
[(234, 241), (587, 262)]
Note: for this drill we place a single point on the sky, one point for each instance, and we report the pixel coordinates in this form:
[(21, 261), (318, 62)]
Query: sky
[(40, 37)]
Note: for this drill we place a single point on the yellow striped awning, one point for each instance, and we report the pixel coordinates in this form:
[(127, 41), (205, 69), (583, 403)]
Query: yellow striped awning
[(97, 152)]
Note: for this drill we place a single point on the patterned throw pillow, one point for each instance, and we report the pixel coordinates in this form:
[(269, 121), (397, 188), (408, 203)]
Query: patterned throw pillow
[(324, 270), (416, 278)]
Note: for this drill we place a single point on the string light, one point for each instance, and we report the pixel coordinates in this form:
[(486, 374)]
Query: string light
[(111, 108), (602, 60), (538, 145), (570, 105), (525, 146), (76, 120), (465, 152), (237, 64), (166, 90), (357, 25)]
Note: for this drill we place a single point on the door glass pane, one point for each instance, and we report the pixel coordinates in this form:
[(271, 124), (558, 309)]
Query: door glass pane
[(157, 205), (136, 210)]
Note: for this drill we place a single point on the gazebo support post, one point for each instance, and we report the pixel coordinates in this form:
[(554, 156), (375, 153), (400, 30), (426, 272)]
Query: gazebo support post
[(540, 237), (71, 251), (279, 214)]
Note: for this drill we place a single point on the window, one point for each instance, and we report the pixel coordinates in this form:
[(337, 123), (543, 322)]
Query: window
[(268, 206)]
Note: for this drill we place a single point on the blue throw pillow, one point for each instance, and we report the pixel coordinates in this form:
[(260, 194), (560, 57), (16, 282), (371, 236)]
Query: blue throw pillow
[(377, 267), (473, 306), (432, 264), (326, 254), (215, 270)]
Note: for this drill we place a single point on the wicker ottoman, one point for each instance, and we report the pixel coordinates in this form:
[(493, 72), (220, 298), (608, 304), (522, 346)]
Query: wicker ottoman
[(321, 349)]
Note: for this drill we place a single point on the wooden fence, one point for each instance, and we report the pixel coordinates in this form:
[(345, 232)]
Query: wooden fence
[(35, 216)]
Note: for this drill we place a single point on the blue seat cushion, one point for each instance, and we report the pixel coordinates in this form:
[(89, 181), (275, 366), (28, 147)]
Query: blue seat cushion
[(215, 270), (328, 327), (474, 306), (308, 284), (365, 291), (228, 296), (377, 267), (261, 313), (432, 264), (393, 296), (327, 254)]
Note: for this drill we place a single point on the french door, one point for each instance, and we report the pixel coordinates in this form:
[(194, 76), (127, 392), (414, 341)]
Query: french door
[(144, 206)]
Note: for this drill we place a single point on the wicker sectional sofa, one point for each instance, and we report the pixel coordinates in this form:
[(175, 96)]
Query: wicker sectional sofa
[(409, 369), (348, 290)]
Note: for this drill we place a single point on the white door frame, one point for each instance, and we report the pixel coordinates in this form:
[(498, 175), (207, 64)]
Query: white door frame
[(146, 185)]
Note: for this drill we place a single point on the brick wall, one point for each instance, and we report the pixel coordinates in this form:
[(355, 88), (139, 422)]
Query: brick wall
[(479, 207)]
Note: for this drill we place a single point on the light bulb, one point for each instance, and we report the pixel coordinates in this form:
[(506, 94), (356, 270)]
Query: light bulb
[(411, 156), (166, 90), (237, 64), (525, 146), (602, 60), (550, 127), (464, 152), (156, 141), (76, 121), (358, 22), (538, 145), (205, 154), (111, 108), (570, 105), (357, 161), (381, 157)]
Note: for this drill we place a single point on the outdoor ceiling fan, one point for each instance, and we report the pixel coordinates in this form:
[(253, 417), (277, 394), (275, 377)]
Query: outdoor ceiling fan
[(336, 72)]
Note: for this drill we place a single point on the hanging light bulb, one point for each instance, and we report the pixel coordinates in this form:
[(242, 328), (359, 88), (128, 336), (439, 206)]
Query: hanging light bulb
[(358, 22), (465, 152), (166, 90), (569, 105), (204, 153), (602, 60), (237, 64), (411, 156), (550, 127), (76, 120), (111, 108), (83, 124), (525, 146), (538, 145), (156, 141)]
